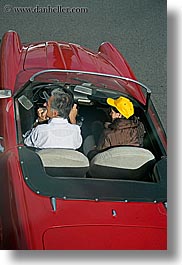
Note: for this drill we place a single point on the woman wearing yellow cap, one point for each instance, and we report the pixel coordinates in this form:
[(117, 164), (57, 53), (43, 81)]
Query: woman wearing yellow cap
[(125, 128)]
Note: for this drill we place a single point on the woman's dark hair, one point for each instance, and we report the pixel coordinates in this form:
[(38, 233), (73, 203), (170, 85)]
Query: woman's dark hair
[(115, 109), (62, 102)]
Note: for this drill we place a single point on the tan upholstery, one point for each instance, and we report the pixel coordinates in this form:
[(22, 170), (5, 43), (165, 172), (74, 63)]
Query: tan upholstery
[(124, 162), (63, 162)]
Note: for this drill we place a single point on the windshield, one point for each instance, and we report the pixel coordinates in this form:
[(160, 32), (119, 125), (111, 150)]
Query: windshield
[(90, 82)]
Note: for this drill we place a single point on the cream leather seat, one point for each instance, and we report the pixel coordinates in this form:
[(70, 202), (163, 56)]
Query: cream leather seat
[(124, 162), (63, 162)]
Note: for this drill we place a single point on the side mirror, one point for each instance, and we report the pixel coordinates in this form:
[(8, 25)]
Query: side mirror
[(1, 147), (5, 93)]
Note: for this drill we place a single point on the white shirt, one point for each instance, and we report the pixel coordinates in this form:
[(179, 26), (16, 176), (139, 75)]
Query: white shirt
[(58, 133)]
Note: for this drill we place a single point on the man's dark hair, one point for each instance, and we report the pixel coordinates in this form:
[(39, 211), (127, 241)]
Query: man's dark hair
[(62, 102)]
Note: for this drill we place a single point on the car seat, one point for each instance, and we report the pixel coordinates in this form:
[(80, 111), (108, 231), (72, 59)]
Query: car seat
[(124, 162), (64, 162)]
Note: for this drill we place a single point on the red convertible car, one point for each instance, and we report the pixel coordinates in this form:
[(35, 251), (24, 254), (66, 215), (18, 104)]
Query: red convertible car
[(56, 198)]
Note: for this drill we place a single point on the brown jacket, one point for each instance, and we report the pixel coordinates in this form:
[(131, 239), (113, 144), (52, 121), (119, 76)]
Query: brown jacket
[(122, 132)]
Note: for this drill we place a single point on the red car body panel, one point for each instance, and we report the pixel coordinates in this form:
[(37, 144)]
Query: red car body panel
[(80, 224), (31, 58), (28, 218)]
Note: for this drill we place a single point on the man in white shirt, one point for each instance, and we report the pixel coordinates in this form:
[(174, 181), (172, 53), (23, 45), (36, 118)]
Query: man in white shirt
[(58, 132)]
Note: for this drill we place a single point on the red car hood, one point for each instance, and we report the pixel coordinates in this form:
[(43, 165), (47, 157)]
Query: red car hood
[(24, 60), (51, 55), (67, 56)]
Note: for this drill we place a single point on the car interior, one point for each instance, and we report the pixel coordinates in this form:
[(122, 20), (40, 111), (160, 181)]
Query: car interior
[(120, 162)]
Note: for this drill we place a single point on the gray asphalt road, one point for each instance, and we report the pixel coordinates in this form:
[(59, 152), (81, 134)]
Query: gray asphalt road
[(138, 28)]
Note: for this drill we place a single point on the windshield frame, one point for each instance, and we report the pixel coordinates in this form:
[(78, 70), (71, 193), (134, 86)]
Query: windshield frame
[(147, 90)]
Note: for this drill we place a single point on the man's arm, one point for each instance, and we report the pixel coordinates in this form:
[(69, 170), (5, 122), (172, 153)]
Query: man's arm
[(31, 138), (73, 114)]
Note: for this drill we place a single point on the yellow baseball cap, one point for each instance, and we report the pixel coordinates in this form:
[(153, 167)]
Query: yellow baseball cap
[(123, 105)]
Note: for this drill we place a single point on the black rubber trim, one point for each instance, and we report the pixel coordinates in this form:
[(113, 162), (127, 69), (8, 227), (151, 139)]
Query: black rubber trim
[(87, 188)]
